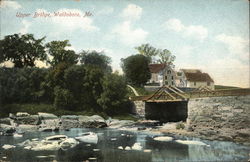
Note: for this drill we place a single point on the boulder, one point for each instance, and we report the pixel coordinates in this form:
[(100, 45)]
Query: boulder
[(5, 121), (30, 120), (45, 116), (27, 128), (7, 130), (115, 123), (49, 125), (69, 121), (22, 114), (94, 121)]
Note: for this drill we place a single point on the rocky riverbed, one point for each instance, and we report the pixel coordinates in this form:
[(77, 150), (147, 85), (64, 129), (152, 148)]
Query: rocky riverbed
[(21, 122)]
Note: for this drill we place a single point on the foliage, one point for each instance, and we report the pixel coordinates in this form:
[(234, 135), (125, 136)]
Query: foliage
[(156, 55), (114, 96), (136, 69), (21, 85), (22, 50), (60, 54), (96, 58), (180, 126)]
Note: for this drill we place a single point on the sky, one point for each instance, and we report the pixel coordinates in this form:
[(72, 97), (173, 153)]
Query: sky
[(210, 35)]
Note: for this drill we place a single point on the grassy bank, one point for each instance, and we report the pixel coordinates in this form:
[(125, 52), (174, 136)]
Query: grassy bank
[(49, 108)]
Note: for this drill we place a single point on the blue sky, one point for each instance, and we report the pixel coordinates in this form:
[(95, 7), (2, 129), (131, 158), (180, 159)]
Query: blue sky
[(210, 35)]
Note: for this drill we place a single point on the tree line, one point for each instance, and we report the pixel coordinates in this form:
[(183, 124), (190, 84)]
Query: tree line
[(76, 82)]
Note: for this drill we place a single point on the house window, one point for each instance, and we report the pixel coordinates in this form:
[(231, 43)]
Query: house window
[(172, 83), (166, 77), (208, 83), (172, 77), (166, 82), (169, 71), (194, 83)]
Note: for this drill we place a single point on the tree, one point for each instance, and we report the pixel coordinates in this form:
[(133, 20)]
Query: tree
[(96, 58), (59, 53), (114, 96), (166, 57), (136, 69), (148, 51), (156, 55), (22, 50)]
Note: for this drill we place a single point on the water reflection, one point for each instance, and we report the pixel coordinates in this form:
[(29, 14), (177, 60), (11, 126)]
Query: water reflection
[(107, 149)]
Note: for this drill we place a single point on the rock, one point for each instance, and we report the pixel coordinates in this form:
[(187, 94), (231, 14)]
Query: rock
[(163, 138), (22, 114), (127, 148), (115, 123), (7, 130), (6, 147), (188, 142), (137, 146), (94, 121), (88, 137), (69, 121), (5, 121), (49, 125), (50, 143), (46, 116), (243, 132), (27, 128), (31, 120), (12, 116)]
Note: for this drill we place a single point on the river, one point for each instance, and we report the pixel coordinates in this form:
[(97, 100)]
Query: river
[(111, 142)]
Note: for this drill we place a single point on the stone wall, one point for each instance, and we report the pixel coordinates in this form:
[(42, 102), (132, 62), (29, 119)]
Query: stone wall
[(223, 118), (139, 108)]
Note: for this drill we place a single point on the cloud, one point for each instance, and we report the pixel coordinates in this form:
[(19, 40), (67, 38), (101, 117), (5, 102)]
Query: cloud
[(26, 25), (175, 25), (128, 35), (235, 44), (10, 4), (198, 32), (132, 12)]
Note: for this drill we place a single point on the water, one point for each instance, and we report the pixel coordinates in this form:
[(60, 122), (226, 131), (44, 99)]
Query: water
[(107, 149)]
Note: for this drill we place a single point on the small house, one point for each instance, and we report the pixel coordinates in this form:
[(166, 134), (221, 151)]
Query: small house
[(161, 74), (193, 78)]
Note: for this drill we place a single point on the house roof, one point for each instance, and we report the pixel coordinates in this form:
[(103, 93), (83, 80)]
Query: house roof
[(156, 68), (191, 70), (198, 77)]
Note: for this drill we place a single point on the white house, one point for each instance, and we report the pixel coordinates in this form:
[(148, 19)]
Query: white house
[(193, 78), (161, 74)]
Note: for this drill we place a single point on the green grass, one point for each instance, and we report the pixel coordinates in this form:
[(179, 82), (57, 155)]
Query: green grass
[(217, 87), (48, 108)]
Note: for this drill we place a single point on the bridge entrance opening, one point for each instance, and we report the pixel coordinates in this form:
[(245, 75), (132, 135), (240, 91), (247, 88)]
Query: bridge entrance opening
[(167, 111)]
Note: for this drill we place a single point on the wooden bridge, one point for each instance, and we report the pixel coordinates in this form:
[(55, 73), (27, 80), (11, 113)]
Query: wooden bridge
[(174, 94)]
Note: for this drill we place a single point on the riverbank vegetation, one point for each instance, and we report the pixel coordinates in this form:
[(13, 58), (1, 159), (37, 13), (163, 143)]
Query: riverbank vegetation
[(71, 83)]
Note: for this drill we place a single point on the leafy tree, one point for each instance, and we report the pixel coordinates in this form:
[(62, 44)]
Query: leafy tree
[(59, 53), (92, 86), (22, 50), (96, 58), (114, 96), (156, 55), (63, 98), (136, 69), (166, 57), (148, 51)]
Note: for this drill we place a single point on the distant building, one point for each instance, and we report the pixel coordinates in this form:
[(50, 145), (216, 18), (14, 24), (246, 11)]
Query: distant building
[(193, 78), (161, 74)]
